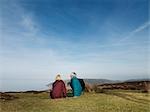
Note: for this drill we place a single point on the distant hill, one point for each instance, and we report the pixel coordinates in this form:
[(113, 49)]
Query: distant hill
[(100, 81), (92, 81), (136, 80), (104, 81)]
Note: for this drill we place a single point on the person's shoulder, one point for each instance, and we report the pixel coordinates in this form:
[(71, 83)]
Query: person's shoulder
[(75, 78), (61, 81), (55, 83)]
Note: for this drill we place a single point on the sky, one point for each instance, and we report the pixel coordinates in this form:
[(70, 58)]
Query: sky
[(106, 39)]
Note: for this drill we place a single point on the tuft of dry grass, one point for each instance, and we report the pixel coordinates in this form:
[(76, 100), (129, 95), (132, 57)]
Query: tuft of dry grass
[(112, 101)]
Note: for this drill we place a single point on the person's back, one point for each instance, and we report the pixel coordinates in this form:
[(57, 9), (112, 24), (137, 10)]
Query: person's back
[(82, 84), (76, 86), (58, 89)]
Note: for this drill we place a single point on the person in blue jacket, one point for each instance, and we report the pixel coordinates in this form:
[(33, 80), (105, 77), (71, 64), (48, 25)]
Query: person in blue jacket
[(75, 85)]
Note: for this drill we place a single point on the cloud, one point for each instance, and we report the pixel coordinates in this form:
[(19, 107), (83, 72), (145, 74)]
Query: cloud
[(46, 63), (123, 41), (138, 29), (30, 53), (48, 54), (28, 24)]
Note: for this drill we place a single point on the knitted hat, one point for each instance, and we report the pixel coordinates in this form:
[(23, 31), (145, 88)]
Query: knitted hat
[(73, 74), (58, 77)]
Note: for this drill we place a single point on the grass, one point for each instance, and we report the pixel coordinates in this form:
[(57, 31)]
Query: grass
[(111, 101)]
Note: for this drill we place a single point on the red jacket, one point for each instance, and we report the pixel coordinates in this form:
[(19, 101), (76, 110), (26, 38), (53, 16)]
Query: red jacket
[(58, 89)]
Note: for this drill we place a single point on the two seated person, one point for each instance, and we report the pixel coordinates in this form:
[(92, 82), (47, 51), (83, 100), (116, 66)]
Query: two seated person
[(59, 89)]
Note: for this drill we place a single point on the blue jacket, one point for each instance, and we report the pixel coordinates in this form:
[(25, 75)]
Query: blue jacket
[(76, 86)]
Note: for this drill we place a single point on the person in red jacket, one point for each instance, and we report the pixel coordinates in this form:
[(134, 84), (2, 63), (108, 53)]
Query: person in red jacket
[(58, 88)]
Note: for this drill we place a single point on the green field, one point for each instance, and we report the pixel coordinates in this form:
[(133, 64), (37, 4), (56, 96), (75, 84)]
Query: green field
[(113, 101)]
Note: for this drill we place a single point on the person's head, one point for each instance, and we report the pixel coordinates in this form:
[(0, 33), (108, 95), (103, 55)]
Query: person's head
[(58, 77), (73, 74)]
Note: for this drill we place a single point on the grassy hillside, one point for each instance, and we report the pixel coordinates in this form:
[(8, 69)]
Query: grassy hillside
[(113, 101)]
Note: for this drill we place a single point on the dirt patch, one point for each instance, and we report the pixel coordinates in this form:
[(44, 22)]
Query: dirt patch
[(5, 96)]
